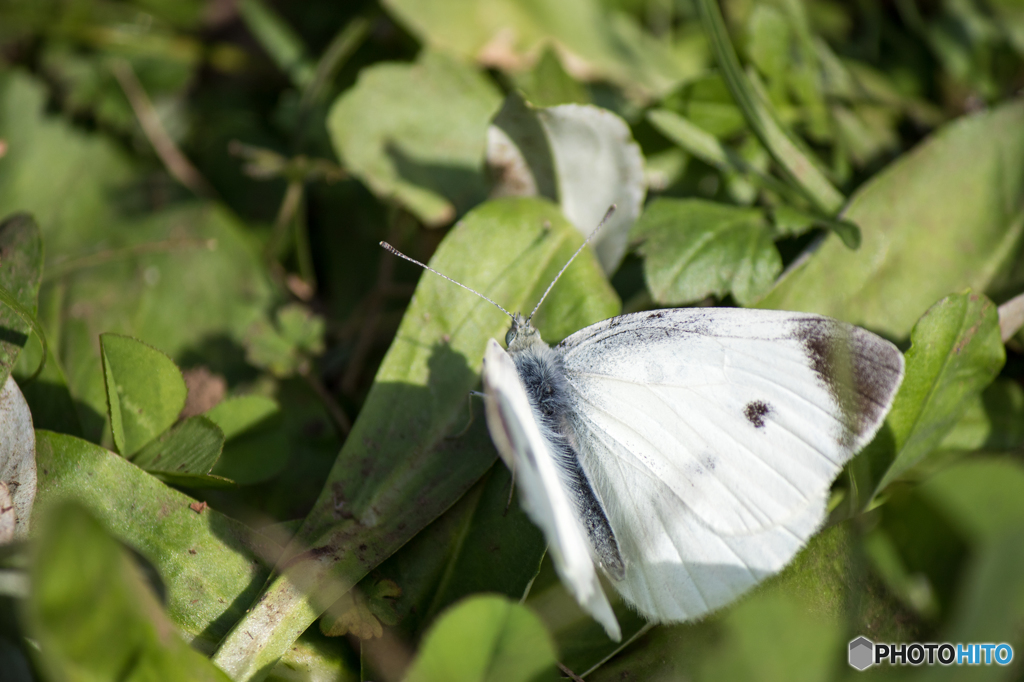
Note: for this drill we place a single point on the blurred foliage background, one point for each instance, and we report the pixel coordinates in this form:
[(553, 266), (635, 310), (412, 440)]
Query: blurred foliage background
[(202, 185)]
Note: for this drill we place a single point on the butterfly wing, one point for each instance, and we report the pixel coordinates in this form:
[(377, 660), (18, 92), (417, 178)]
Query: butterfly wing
[(711, 437), (521, 443)]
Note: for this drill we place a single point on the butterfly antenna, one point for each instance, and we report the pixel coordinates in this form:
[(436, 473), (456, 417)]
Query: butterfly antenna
[(427, 267), (607, 215)]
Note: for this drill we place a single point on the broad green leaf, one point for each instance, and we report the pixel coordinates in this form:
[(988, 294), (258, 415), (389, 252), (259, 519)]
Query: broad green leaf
[(186, 454), (93, 613), (695, 248), (581, 156), (212, 566), (955, 353), (481, 544), (992, 422), (21, 268), (416, 134), (46, 158), (989, 605), (256, 446), (403, 464), (145, 391), (314, 657), (485, 639), (597, 44), (943, 217), (17, 461), (236, 416), (548, 85), (793, 627)]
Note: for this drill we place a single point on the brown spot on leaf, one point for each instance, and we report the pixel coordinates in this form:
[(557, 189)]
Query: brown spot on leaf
[(205, 389)]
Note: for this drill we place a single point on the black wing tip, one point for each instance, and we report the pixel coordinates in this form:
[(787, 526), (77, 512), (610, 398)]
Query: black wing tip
[(861, 370)]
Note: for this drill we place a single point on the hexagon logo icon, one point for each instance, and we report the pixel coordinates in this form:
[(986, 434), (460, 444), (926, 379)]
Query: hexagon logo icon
[(862, 653)]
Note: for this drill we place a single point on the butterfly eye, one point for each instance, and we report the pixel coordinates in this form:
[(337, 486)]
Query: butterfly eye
[(510, 336)]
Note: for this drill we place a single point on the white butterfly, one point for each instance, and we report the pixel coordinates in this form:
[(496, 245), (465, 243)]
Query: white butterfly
[(688, 453)]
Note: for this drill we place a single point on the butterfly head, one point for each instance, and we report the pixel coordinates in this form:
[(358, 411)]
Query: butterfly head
[(522, 334)]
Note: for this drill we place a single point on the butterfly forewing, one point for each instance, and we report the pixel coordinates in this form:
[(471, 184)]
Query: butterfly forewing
[(711, 436)]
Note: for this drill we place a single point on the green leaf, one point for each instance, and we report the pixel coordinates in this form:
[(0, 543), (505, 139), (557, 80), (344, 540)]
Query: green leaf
[(785, 149), (284, 347), (280, 41), (795, 626), (17, 463), (416, 134), (581, 156), (582, 643), (992, 422), (93, 613), (944, 217), (695, 248), (302, 328), (212, 566), (710, 150), (404, 447), (548, 85), (145, 391), (989, 605), (955, 353), (47, 394), (236, 416), (160, 271), (186, 454), (314, 658), (983, 498), (481, 544), (598, 44), (191, 262), (485, 639), (256, 445), (21, 269)]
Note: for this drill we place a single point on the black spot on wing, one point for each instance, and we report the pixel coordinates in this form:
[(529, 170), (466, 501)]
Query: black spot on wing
[(755, 412), (860, 370)]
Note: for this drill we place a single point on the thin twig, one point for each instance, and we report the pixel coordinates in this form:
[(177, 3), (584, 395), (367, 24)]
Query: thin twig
[(570, 674), (367, 332), (174, 160), (62, 268), (344, 44), (341, 420), (289, 205)]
